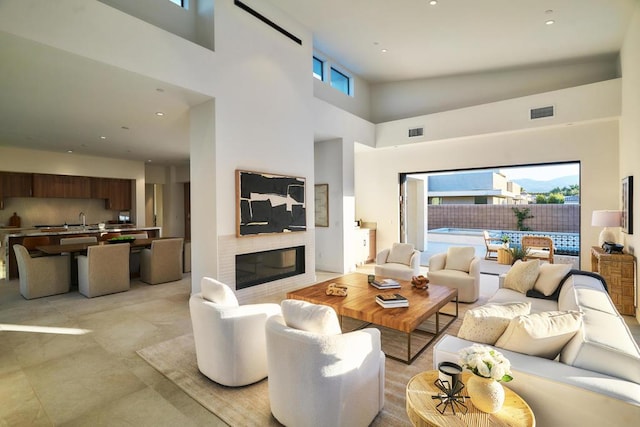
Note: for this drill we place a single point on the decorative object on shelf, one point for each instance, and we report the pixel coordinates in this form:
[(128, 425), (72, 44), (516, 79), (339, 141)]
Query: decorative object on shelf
[(627, 205), (606, 219), (451, 388), (336, 290), (269, 203), (14, 221), (420, 282), (489, 367), (322, 205)]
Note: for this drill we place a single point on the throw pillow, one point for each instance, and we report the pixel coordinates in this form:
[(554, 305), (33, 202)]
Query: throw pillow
[(549, 277), (459, 258), (316, 318), (401, 253), (522, 275), (540, 334), (217, 292), (487, 323)]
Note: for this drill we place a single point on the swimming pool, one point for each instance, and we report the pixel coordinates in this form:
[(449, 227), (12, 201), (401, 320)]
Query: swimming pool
[(564, 243)]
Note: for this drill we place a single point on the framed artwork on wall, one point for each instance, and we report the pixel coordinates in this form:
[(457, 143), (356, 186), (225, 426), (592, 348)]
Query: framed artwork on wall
[(627, 205), (322, 205), (269, 203)]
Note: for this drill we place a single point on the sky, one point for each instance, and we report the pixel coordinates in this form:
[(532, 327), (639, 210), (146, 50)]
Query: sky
[(542, 173)]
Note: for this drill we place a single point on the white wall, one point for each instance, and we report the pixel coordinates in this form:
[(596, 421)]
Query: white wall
[(594, 144), (262, 123), (330, 240), (411, 98), (187, 23), (589, 102), (630, 131)]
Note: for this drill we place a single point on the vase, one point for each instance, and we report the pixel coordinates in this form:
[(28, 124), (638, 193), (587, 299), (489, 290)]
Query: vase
[(486, 394)]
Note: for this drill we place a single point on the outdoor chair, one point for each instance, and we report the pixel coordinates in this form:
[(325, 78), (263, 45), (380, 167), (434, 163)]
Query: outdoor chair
[(492, 244), (538, 247)]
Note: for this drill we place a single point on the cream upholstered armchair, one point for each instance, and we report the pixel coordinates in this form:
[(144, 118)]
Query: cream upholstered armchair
[(163, 262), (229, 338), (42, 276), (401, 262), (457, 268), (319, 376), (104, 270)]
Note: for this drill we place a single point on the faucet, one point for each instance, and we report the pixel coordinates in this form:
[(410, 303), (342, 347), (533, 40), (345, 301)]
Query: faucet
[(83, 218)]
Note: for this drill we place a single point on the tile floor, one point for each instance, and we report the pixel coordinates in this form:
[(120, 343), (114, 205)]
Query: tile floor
[(86, 370)]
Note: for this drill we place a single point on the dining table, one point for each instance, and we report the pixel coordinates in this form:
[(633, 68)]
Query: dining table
[(81, 248)]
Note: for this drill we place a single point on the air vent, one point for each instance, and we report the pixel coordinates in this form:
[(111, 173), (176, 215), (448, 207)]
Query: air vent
[(416, 132), (267, 21), (542, 112)]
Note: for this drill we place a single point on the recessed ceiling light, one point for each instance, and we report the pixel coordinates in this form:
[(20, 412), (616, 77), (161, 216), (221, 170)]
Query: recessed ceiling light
[(103, 137), (69, 151), (433, 2), (550, 22), (384, 51), (159, 113), (149, 161)]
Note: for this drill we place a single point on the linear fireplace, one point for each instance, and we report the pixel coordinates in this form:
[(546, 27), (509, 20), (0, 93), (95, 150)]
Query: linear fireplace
[(262, 267)]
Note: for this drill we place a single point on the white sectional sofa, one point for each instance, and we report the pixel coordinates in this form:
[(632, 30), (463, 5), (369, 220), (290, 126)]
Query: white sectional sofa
[(595, 380)]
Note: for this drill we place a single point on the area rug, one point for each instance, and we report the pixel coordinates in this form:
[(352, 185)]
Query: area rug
[(249, 405)]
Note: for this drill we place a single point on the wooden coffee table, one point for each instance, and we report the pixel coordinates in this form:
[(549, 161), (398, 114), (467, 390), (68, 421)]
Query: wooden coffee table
[(421, 407), (360, 304)]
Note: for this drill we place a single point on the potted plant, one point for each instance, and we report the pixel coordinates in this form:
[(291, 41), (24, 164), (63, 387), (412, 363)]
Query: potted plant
[(505, 241), (518, 253)]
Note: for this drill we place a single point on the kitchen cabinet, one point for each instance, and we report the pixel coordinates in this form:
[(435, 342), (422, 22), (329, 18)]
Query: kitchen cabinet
[(64, 186), (365, 245), (14, 184), (116, 192)]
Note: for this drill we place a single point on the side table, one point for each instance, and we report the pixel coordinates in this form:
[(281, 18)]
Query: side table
[(619, 273), (504, 256), (421, 408)]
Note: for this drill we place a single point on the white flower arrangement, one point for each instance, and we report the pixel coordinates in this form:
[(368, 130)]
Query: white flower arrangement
[(486, 362)]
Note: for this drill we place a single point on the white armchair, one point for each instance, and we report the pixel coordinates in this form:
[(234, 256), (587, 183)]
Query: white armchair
[(42, 276), (229, 338), (104, 270), (401, 262), (319, 376), (457, 268)]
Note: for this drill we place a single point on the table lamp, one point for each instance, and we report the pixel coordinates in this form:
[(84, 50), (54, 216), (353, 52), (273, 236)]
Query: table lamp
[(606, 219)]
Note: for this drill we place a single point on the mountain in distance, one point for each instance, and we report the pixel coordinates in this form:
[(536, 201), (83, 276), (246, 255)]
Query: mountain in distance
[(536, 186)]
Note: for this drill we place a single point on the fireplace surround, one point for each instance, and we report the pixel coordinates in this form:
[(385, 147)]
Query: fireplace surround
[(266, 266)]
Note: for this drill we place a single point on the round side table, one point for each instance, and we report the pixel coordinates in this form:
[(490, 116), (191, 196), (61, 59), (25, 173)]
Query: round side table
[(421, 408)]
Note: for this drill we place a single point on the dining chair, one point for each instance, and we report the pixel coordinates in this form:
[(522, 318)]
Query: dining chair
[(31, 242), (104, 270), (162, 262), (42, 276), (134, 257)]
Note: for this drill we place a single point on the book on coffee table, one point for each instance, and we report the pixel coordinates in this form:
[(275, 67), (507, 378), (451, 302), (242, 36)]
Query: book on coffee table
[(392, 300), (385, 284)]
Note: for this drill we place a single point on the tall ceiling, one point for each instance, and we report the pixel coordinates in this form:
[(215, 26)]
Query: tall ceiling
[(56, 101), (458, 36)]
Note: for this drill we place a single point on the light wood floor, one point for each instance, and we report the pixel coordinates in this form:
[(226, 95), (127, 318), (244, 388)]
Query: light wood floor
[(74, 360)]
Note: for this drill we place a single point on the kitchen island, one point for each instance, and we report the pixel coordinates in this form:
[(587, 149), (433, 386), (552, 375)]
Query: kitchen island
[(11, 237)]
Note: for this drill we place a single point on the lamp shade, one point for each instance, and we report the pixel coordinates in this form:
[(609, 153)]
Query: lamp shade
[(606, 218)]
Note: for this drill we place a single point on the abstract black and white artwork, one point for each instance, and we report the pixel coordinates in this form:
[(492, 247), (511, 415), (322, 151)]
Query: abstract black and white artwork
[(268, 203)]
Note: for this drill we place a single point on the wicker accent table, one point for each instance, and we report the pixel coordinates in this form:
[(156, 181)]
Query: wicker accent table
[(618, 271), (421, 408), (504, 256)]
